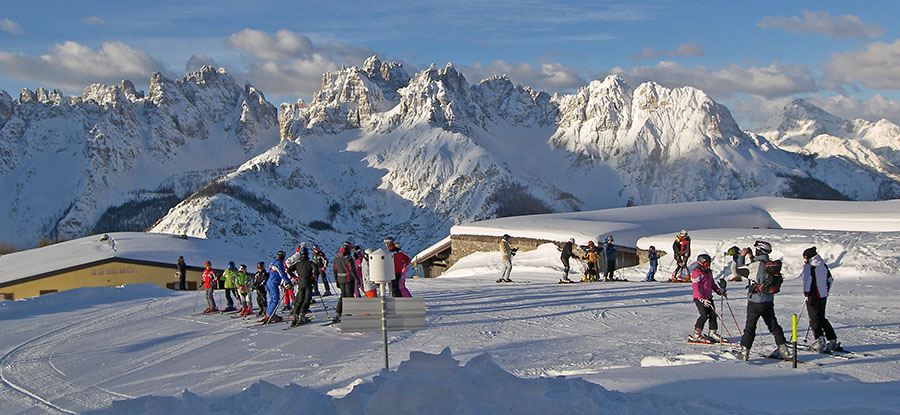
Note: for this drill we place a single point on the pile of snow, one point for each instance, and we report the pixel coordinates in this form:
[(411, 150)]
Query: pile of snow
[(431, 384)]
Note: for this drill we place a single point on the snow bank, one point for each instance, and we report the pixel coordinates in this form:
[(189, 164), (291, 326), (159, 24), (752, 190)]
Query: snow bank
[(79, 299), (433, 384)]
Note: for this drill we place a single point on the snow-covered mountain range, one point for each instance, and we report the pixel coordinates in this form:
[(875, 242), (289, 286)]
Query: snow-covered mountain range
[(381, 152)]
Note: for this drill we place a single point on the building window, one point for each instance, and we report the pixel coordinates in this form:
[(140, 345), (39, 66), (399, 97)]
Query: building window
[(47, 291), (7, 296)]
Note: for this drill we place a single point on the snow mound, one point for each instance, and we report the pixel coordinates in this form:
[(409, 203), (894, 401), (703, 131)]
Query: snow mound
[(435, 384), (80, 298)]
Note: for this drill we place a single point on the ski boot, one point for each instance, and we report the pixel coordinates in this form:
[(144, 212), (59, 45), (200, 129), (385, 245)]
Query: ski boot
[(275, 319), (833, 346), (784, 352), (745, 353), (820, 344), (697, 336), (714, 336)]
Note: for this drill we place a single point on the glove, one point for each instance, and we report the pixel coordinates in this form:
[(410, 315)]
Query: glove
[(753, 287), (706, 302)]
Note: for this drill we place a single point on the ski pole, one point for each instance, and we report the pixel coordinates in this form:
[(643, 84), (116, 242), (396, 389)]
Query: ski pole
[(733, 317), (325, 306), (268, 318), (721, 320), (196, 299)]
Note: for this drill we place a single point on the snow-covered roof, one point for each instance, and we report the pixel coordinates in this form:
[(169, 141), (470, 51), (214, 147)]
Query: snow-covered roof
[(627, 225), (432, 250), (138, 246)]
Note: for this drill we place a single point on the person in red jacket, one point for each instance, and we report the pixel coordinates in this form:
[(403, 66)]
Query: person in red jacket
[(209, 283), (401, 264)]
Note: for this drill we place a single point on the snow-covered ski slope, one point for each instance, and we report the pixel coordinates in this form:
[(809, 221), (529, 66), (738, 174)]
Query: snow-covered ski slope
[(529, 347)]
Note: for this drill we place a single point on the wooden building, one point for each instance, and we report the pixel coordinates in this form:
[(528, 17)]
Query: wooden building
[(112, 260)]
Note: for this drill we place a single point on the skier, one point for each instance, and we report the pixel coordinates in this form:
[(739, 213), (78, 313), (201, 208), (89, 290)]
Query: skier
[(610, 252), (181, 273), (229, 275), (277, 277), (653, 257), (209, 283), (565, 256), (259, 284), (506, 254), (682, 252), (816, 285), (243, 281), (370, 289), (592, 257), (303, 269), (321, 263), (737, 267), (401, 265), (761, 305), (343, 277), (703, 287)]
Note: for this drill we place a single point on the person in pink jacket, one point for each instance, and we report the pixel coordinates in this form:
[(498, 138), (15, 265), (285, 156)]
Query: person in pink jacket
[(703, 287)]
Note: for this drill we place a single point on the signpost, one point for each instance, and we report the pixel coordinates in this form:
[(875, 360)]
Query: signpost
[(366, 315)]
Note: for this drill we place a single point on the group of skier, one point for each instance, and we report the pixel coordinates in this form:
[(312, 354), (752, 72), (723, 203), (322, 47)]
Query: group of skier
[(762, 285), (763, 282), (296, 279)]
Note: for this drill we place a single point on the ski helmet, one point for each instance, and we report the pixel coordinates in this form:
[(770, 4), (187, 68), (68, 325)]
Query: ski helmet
[(810, 252), (609, 238), (243, 267), (591, 243), (207, 264), (572, 241), (682, 233), (260, 265), (230, 264), (652, 248), (762, 247), (280, 255), (703, 261), (506, 236)]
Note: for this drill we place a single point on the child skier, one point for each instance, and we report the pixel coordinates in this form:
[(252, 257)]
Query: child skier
[(230, 290), (259, 284), (592, 256), (653, 256), (682, 253), (703, 287), (209, 283), (760, 304), (243, 281)]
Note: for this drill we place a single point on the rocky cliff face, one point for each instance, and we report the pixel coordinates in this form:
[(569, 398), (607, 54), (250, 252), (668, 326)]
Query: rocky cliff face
[(66, 160), (380, 152)]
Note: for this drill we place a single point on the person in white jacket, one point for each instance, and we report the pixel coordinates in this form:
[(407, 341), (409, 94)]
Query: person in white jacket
[(816, 284)]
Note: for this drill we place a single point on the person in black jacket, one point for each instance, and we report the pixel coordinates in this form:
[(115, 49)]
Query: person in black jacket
[(181, 273), (303, 269), (259, 283), (564, 257), (344, 277)]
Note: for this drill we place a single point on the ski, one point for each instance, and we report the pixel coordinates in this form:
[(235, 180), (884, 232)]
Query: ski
[(568, 282), (330, 323), (290, 324)]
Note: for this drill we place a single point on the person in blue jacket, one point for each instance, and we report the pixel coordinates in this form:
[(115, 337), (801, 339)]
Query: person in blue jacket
[(610, 250), (653, 256), (277, 277)]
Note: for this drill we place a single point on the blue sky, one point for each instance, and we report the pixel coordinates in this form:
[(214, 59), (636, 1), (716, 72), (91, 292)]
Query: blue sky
[(753, 57)]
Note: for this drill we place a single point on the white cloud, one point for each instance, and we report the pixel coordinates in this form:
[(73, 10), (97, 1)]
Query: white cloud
[(11, 27), (776, 80), (290, 63), (688, 49), (685, 49), (850, 107), (546, 76), (93, 20), (844, 27), (73, 66), (876, 67)]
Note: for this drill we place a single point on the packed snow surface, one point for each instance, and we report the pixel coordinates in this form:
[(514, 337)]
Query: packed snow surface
[(532, 346)]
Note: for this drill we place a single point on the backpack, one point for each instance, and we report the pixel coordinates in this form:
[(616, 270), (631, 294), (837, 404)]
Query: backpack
[(773, 278)]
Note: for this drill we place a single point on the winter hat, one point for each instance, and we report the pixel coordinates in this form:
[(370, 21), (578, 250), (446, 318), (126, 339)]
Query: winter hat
[(207, 264), (809, 253)]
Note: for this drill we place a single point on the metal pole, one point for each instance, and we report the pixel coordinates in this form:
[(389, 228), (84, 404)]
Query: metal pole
[(384, 324), (794, 334)]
